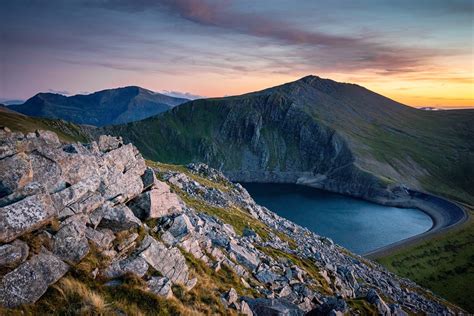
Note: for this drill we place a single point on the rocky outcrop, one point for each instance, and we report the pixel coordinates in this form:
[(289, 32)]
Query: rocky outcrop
[(30, 280), (99, 205)]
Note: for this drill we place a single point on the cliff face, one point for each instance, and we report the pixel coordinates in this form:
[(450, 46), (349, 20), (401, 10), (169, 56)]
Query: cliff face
[(335, 136), (94, 229)]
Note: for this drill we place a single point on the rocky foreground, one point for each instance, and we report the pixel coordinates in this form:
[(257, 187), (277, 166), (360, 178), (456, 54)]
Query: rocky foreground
[(95, 229)]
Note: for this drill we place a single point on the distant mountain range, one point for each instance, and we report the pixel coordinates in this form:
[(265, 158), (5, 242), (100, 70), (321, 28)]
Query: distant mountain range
[(106, 107)]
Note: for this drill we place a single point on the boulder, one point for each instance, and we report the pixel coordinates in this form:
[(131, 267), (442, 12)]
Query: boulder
[(160, 286), (102, 238), (243, 255), (15, 172), (134, 265), (76, 193), (374, 298), (25, 215), (181, 227), (107, 143), (11, 255), (273, 307), (149, 178), (119, 218), (245, 309), (70, 242), (157, 202), (27, 283), (167, 261), (231, 296)]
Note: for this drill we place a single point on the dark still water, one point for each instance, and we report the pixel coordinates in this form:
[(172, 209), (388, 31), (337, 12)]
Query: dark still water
[(355, 224)]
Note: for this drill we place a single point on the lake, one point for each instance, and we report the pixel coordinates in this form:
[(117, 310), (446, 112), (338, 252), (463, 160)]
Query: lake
[(355, 224)]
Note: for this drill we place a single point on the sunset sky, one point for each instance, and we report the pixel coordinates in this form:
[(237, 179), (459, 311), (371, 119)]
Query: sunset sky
[(420, 53)]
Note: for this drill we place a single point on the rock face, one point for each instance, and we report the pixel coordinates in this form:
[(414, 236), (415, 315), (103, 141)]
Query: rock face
[(30, 280), (99, 205), (25, 215), (157, 202), (13, 254)]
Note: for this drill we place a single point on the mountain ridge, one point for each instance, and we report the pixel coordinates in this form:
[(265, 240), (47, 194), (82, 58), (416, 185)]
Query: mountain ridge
[(318, 132), (104, 107)]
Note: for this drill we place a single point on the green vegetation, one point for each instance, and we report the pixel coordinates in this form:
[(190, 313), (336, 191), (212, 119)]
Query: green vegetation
[(67, 132), (444, 264), (363, 307)]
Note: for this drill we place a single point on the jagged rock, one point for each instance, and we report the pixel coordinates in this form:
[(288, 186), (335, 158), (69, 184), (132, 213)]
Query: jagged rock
[(74, 193), (272, 307), (168, 261), (374, 298), (119, 218), (231, 296), (15, 172), (149, 178), (160, 286), (245, 309), (243, 255), (101, 238), (181, 227), (24, 216), (157, 202), (11, 255), (107, 143), (135, 265), (70, 242), (266, 276), (27, 283)]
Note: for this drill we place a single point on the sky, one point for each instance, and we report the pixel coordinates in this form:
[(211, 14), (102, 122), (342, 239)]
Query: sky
[(420, 53)]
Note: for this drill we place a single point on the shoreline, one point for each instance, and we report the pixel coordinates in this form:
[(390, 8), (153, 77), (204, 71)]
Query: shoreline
[(444, 213)]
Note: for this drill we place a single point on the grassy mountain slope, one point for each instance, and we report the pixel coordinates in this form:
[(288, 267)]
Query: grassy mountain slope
[(66, 131), (113, 106), (337, 136)]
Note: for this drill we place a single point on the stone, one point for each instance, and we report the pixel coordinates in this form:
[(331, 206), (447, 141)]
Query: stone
[(135, 265), (160, 286), (119, 218), (149, 178), (75, 192), (70, 242), (266, 276), (245, 309), (231, 296), (273, 307), (11, 255), (101, 238), (181, 227), (374, 298), (15, 172), (107, 143), (27, 283), (167, 261), (25, 215), (156, 203), (243, 256)]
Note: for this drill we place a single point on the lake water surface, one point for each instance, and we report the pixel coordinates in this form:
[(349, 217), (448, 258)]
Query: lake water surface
[(355, 224)]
